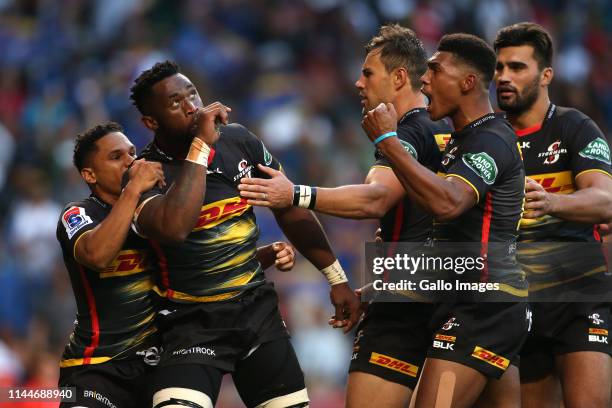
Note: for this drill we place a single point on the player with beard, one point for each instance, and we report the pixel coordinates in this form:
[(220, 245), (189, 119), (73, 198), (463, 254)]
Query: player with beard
[(568, 192), (395, 60), (478, 199), (218, 314)]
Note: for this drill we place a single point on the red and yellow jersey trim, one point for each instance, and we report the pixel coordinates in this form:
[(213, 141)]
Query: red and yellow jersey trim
[(82, 361)]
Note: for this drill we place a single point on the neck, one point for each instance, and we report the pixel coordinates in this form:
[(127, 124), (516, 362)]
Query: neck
[(173, 148), (108, 198), (471, 109), (408, 101), (532, 116)]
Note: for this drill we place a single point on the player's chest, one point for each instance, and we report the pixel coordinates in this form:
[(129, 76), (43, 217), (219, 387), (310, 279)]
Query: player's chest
[(544, 153)]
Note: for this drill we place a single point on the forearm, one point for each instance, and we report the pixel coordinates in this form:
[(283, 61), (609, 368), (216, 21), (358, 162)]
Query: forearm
[(589, 205), (99, 247), (353, 201), (431, 192), (304, 231)]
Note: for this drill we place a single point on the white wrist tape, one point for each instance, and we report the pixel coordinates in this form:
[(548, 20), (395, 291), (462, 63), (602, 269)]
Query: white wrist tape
[(198, 152), (334, 274)]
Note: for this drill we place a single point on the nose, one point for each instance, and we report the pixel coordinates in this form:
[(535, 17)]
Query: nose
[(359, 84), (501, 75), (425, 78), (189, 107)]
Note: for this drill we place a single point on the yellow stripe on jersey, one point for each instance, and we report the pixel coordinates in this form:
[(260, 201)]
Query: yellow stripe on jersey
[(127, 262), (215, 213), (240, 280), (79, 361), (442, 139), (593, 171), (468, 182), (534, 287)]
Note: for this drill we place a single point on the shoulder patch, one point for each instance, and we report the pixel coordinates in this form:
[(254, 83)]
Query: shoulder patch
[(410, 149), (482, 164), (597, 149), (75, 218), (267, 155)]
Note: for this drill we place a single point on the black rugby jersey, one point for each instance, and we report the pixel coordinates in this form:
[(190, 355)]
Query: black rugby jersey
[(419, 135), (566, 145), (115, 313), (485, 155), (217, 260)]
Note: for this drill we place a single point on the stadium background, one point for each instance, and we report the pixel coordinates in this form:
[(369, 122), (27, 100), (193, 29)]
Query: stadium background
[(287, 69)]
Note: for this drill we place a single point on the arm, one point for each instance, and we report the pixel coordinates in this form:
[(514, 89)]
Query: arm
[(171, 217), (373, 199), (591, 203), (98, 247), (445, 198), (304, 231)]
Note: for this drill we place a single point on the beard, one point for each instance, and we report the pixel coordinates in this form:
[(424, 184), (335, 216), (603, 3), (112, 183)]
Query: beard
[(523, 101)]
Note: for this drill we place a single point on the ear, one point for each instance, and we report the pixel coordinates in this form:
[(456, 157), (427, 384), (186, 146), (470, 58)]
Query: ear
[(400, 78), (468, 82), (149, 122), (88, 175), (547, 76)]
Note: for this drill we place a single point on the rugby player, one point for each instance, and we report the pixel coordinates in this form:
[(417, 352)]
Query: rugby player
[(394, 62), (114, 345), (478, 199), (569, 191), (218, 313)]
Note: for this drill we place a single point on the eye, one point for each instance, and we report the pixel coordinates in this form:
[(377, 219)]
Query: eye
[(174, 104), (193, 95)]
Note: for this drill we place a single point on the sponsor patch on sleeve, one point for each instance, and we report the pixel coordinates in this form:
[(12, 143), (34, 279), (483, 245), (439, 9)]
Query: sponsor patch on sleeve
[(74, 219), (597, 149), (410, 149), (483, 165), (267, 155)]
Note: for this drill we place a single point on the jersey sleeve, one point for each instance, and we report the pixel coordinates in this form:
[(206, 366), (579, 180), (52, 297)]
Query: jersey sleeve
[(75, 220), (589, 150), (259, 154), (482, 162), (411, 140)]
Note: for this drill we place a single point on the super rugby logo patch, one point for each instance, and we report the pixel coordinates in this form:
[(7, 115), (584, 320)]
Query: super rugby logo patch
[(410, 149), (597, 150), (483, 165), (74, 219)]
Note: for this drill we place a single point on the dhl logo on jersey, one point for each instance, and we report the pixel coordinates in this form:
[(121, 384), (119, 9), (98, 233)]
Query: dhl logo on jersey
[(215, 213), (561, 182), (490, 357), (443, 337), (126, 262), (442, 140), (394, 364), (602, 332)]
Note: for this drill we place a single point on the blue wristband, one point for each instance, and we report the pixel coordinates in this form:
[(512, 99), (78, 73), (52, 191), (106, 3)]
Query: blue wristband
[(383, 137)]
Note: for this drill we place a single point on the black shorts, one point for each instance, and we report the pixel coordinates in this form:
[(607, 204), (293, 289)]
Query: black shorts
[(115, 383), (392, 340), (561, 328), (219, 334), (485, 336)]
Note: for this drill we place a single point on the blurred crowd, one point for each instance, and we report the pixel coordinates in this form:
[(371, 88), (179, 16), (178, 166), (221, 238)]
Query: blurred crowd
[(287, 68)]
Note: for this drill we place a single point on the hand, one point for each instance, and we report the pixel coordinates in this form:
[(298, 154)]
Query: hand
[(275, 192), (538, 202), (206, 120), (348, 307), (380, 120), (285, 256), (144, 175), (365, 292)]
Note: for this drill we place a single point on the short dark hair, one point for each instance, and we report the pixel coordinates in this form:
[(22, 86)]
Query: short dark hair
[(141, 89), (400, 47), (86, 142), (473, 51), (527, 34)]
